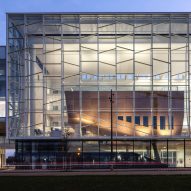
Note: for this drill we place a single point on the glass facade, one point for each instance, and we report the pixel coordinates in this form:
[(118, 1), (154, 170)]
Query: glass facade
[(52, 154), (62, 68), (2, 88), (2, 104)]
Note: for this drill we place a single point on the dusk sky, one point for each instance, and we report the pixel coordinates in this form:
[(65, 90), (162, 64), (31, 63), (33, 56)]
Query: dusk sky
[(88, 6)]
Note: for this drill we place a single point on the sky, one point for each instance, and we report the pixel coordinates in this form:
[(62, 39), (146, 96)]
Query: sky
[(88, 6)]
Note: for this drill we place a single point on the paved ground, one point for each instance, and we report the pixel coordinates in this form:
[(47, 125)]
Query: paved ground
[(171, 171)]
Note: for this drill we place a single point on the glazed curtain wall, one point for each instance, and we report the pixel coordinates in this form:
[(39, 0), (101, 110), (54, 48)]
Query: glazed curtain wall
[(96, 154), (61, 69)]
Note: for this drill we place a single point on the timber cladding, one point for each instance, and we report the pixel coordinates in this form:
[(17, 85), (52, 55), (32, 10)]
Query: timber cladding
[(94, 111)]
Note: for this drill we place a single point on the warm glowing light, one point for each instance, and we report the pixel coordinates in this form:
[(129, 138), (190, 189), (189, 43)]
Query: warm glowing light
[(124, 128), (84, 120)]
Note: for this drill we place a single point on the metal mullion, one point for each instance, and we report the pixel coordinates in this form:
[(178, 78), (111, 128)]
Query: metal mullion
[(161, 60), (186, 77), (71, 51), (160, 23), (124, 61), (106, 25), (52, 51), (19, 85), (80, 70), (51, 101), (167, 145), (34, 23), (16, 28), (62, 77), (152, 128), (170, 80), (98, 74), (188, 52), (15, 51), (133, 151), (143, 51), (70, 63), (179, 48), (73, 26), (142, 63), (71, 76), (87, 60), (31, 92), (124, 47), (116, 81), (134, 76), (107, 50), (33, 125), (180, 61), (99, 151), (142, 25), (26, 109), (184, 153), (44, 89), (121, 22), (107, 63), (88, 48), (186, 71), (160, 48), (160, 74)]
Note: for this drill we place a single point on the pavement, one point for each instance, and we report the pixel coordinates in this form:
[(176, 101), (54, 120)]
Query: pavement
[(166, 171)]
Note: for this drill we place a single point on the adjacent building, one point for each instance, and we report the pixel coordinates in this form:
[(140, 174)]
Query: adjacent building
[(99, 89), (2, 104)]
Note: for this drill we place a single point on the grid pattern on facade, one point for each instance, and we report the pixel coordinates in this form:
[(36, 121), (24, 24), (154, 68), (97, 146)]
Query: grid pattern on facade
[(89, 154), (61, 69)]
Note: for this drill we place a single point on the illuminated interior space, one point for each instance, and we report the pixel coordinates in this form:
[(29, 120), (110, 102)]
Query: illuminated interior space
[(63, 67)]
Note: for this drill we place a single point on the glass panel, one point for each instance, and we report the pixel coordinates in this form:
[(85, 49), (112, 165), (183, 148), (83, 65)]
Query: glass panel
[(159, 152), (162, 122), (73, 61), (188, 153), (91, 153), (142, 153), (176, 153), (125, 154)]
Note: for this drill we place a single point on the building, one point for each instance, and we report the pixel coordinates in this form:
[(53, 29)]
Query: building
[(2, 104), (7, 147), (90, 90)]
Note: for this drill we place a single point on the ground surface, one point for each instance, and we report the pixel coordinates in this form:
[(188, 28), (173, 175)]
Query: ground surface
[(96, 183)]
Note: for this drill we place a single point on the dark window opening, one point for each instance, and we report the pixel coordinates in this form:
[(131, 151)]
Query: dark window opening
[(162, 122), (137, 120), (155, 122), (145, 121), (171, 126), (55, 108), (120, 118), (128, 119)]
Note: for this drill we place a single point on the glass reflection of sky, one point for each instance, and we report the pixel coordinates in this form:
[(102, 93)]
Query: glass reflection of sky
[(9, 152)]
